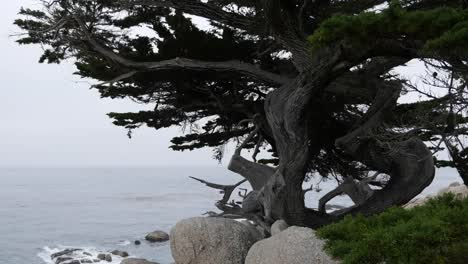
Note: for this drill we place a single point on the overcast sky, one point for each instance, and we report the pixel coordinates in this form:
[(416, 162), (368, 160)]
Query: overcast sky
[(49, 118)]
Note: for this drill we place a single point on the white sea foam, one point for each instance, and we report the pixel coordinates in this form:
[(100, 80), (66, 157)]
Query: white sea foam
[(47, 252), (124, 243)]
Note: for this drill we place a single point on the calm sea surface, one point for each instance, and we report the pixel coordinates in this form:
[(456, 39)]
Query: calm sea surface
[(44, 210)]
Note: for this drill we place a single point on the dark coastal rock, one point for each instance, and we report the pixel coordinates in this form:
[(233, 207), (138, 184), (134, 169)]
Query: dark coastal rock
[(137, 261), (86, 261), (157, 236), (251, 225), (120, 253), (137, 242), (203, 240), (101, 256), (62, 259), (108, 258), (64, 252)]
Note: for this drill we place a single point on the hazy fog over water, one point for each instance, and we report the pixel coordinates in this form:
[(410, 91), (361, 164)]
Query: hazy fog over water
[(50, 118)]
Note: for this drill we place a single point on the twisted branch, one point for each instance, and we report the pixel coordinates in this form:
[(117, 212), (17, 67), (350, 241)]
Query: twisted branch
[(246, 69)]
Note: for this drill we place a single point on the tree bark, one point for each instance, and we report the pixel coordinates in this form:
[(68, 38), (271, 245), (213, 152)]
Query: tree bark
[(460, 162), (256, 174), (409, 163)]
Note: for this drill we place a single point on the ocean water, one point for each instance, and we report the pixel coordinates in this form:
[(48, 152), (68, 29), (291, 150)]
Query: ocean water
[(42, 210), (45, 210)]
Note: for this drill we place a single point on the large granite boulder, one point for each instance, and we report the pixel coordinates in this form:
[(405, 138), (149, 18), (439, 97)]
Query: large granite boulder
[(202, 240), (137, 261), (157, 236), (459, 190), (295, 245), (251, 225), (278, 226)]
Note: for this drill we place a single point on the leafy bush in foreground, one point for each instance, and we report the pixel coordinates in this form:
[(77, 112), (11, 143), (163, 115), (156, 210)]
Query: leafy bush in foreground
[(436, 232)]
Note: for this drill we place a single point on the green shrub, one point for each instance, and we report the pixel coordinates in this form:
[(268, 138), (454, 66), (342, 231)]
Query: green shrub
[(436, 232), (442, 29)]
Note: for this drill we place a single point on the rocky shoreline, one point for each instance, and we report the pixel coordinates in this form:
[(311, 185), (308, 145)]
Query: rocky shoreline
[(81, 256), (210, 240)]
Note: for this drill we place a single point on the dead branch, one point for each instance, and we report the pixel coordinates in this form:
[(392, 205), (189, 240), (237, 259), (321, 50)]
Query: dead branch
[(118, 78), (225, 189), (359, 192), (257, 148)]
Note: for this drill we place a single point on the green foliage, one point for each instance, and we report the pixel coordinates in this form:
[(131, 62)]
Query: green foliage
[(436, 232), (211, 103), (183, 97), (440, 29)]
